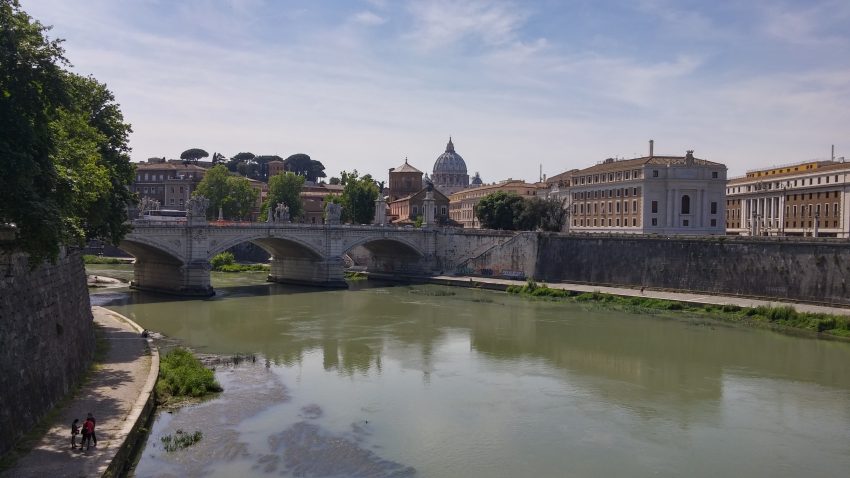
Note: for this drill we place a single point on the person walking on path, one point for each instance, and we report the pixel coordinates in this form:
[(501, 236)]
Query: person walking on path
[(93, 423), (75, 430)]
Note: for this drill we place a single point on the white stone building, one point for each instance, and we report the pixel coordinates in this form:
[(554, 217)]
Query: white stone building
[(650, 195)]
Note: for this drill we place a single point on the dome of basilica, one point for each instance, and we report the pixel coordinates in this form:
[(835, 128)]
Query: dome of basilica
[(449, 162)]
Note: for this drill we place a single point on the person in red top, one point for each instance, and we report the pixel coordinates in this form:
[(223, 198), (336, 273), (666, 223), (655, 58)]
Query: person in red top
[(88, 432), (93, 423)]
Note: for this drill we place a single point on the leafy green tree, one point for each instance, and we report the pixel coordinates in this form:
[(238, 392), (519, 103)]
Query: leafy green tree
[(233, 194), (103, 214), (193, 155), (240, 158), (553, 214), (500, 210), (334, 181), (285, 188), (302, 164), (218, 158), (358, 197), (65, 168)]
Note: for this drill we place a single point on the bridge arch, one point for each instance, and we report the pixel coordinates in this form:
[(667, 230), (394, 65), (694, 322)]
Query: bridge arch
[(277, 246), (389, 255)]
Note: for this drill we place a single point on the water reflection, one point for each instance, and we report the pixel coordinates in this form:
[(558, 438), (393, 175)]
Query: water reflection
[(457, 377)]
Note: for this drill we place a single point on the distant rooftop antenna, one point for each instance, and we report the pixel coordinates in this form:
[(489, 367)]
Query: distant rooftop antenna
[(833, 153), (540, 180)]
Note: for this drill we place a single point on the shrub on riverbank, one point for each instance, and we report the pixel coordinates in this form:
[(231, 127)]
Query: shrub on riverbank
[(182, 376), (782, 316), (226, 262), (92, 259)]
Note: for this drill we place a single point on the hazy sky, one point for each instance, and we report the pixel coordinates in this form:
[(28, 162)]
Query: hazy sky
[(362, 84)]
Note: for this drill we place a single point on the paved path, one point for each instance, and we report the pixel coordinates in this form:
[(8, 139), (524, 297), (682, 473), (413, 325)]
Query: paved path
[(115, 393), (655, 294)]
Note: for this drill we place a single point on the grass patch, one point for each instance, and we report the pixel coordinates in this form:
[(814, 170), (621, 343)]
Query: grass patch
[(243, 268), (182, 376), (92, 259), (180, 440), (355, 276), (782, 318)]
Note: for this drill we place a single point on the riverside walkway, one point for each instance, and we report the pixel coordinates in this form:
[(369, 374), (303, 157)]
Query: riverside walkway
[(695, 298), (118, 393)]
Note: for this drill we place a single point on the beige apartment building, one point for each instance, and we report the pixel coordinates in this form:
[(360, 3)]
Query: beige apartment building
[(649, 195), (462, 203), (169, 183), (802, 199)]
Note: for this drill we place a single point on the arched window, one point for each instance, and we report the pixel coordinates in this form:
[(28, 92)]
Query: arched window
[(686, 204)]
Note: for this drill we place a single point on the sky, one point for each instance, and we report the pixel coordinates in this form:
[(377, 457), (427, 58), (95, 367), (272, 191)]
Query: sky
[(559, 83)]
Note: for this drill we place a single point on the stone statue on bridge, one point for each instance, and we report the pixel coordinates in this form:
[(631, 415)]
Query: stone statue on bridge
[(333, 213), (147, 204), (282, 212), (196, 207)]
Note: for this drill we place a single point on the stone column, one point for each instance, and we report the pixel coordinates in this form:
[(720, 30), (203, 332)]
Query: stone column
[(380, 211), (428, 209)]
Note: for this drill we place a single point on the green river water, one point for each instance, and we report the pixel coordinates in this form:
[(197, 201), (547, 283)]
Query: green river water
[(431, 381)]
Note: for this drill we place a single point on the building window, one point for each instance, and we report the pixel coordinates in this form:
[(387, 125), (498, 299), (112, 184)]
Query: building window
[(634, 222), (634, 206), (654, 221), (686, 204), (714, 175), (835, 209), (713, 207), (654, 173), (714, 223), (685, 223), (654, 208), (618, 222), (609, 222), (442, 210)]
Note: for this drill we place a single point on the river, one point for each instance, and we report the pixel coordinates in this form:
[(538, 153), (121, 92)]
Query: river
[(431, 381)]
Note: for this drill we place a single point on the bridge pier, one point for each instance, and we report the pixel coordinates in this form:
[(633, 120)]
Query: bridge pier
[(192, 279), (308, 271)]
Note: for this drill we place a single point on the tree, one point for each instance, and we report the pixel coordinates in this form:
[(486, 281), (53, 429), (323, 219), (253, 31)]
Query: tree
[(234, 195), (499, 210), (263, 166), (218, 158), (285, 188), (302, 164), (193, 155), (358, 197), (234, 162), (334, 181), (553, 215), (63, 144)]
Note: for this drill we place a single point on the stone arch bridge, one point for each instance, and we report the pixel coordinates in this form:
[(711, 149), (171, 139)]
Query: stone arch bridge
[(174, 257)]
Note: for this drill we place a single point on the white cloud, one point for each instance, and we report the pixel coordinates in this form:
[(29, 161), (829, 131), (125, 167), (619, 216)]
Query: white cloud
[(368, 18), (443, 22)]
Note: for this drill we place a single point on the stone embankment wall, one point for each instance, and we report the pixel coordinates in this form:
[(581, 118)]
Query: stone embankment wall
[(47, 338), (782, 268), (457, 249)]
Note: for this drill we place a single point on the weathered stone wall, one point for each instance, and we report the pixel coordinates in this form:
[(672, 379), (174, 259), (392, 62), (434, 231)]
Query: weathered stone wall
[(46, 338), (813, 271), (456, 247)]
